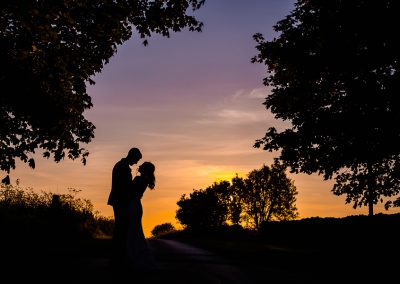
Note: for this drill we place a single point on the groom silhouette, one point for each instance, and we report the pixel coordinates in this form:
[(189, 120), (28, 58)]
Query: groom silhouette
[(121, 184)]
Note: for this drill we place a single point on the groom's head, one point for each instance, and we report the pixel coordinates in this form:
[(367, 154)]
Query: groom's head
[(134, 156)]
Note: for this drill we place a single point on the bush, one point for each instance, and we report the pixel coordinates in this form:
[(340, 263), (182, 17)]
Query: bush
[(162, 229), (336, 231), (48, 217)]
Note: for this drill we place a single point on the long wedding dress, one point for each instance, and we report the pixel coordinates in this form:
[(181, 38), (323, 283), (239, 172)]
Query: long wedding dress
[(138, 251)]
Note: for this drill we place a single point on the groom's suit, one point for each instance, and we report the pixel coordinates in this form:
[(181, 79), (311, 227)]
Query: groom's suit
[(120, 186), (121, 183)]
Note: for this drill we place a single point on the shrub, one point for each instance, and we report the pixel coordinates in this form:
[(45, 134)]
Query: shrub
[(162, 229), (48, 217)]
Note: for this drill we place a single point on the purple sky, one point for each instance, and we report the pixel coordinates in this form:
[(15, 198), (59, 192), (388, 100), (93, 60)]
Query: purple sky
[(193, 104)]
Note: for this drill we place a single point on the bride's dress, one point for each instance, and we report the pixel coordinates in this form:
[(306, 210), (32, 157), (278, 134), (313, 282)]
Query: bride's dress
[(139, 254)]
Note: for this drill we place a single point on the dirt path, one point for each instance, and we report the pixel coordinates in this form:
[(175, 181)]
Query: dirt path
[(177, 262), (187, 264)]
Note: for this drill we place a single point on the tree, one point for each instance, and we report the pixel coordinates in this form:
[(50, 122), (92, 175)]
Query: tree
[(203, 209), (334, 72), (50, 50), (236, 199), (269, 195), (162, 229), (266, 194)]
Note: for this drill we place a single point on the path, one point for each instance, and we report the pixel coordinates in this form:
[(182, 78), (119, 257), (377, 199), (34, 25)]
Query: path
[(188, 264), (178, 263)]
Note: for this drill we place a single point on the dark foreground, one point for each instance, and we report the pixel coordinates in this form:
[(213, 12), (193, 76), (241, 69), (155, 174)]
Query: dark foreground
[(355, 249), (88, 262), (316, 251)]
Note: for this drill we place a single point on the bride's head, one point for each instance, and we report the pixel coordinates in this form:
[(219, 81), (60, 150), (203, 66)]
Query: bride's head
[(147, 170)]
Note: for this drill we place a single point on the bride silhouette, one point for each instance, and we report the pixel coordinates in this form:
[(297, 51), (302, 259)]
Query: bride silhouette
[(138, 252)]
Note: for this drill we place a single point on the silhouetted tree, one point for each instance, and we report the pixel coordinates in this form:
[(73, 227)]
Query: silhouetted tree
[(236, 200), (221, 190), (162, 229), (334, 72), (269, 195), (203, 209), (266, 194), (50, 50)]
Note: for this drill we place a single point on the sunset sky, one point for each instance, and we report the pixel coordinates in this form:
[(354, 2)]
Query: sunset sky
[(193, 104)]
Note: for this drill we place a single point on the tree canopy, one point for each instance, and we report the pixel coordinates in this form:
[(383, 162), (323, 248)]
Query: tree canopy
[(162, 229), (269, 195), (204, 209), (50, 51), (334, 72), (266, 194)]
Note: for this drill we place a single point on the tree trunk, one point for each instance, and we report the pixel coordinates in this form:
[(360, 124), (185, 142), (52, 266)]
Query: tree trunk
[(370, 202), (255, 215), (370, 209), (370, 181)]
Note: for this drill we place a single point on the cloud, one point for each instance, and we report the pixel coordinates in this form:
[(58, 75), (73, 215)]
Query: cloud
[(242, 107), (257, 93), (241, 116), (260, 93)]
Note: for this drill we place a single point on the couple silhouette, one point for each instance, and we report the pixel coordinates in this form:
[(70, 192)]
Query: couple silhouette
[(130, 250)]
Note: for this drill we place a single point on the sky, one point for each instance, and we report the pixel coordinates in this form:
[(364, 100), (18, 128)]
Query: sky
[(192, 104)]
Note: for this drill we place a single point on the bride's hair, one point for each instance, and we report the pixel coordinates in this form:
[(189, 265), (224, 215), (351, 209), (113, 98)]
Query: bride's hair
[(147, 169)]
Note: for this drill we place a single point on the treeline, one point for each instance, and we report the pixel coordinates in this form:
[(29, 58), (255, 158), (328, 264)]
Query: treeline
[(25, 214), (266, 194)]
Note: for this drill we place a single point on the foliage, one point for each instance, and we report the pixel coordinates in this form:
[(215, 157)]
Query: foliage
[(236, 197), (266, 194), (269, 195), (48, 216), (330, 230), (368, 184), (50, 50), (334, 72), (162, 229), (202, 209)]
